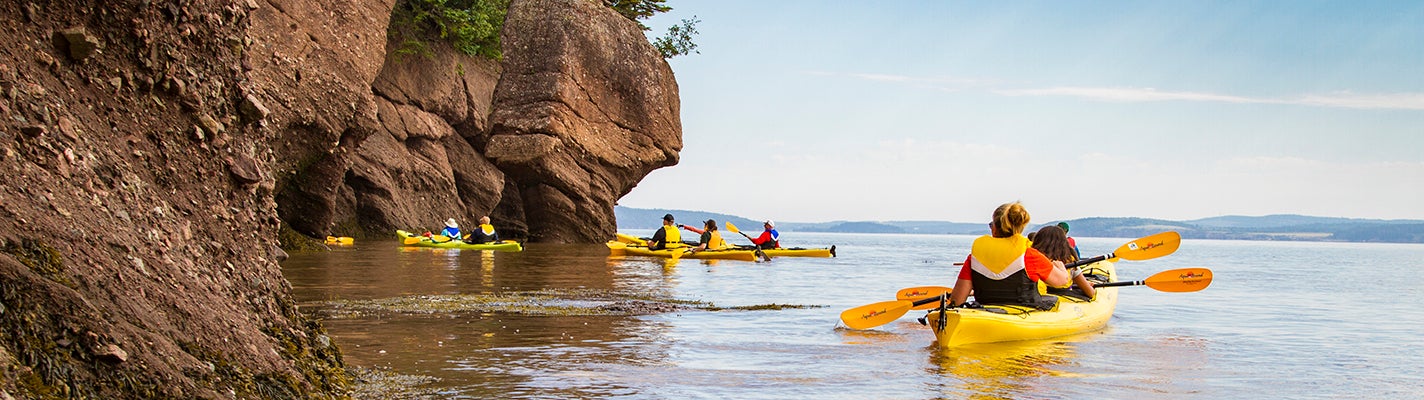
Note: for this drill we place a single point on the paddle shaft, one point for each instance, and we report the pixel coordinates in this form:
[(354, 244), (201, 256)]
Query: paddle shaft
[(757, 248), (1078, 263), (1120, 283)]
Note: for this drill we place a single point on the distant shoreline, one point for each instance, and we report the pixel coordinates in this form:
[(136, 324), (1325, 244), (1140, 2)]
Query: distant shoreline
[(1297, 228)]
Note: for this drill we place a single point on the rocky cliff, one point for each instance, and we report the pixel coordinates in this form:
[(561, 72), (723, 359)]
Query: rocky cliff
[(154, 150), (580, 109)]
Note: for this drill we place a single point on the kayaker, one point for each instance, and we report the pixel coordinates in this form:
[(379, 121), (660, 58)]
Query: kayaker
[(452, 230), (1003, 269), (1053, 242), (769, 238), (484, 233), (711, 239), (667, 234), (1071, 242)]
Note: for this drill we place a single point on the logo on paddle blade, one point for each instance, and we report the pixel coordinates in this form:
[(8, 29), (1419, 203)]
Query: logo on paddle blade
[(1145, 246), (1191, 277), (873, 313)]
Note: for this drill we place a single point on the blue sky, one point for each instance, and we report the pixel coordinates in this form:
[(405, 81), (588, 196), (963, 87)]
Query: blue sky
[(942, 110)]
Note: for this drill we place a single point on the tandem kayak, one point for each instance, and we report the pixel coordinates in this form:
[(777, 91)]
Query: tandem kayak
[(619, 248), (443, 242), (994, 323), (778, 252)]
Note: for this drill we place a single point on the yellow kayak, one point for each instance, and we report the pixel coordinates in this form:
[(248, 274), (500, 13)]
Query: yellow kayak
[(442, 242), (992, 324), (619, 248), (781, 252)]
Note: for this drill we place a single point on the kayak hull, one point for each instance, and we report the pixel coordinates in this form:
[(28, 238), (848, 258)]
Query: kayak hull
[(801, 252), (436, 242), (619, 248), (964, 326)]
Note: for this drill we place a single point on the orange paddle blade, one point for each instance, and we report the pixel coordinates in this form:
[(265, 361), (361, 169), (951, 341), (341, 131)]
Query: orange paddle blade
[(1180, 280), (873, 315), (920, 293), (1176, 280), (1150, 247)]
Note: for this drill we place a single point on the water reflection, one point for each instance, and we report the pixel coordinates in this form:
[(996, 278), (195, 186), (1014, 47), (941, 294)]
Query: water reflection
[(1002, 370), (484, 355)]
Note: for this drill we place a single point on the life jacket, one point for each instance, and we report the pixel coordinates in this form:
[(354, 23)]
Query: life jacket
[(482, 234), (1000, 276), (672, 238), (716, 242), (771, 243), (452, 233)]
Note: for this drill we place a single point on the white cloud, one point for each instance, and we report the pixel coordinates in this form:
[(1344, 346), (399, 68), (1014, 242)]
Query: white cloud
[(1126, 94), (1400, 101), (1403, 101), (1345, 99)]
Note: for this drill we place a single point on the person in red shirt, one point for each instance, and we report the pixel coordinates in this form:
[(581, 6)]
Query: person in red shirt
[(769, 238), (1002, 267)]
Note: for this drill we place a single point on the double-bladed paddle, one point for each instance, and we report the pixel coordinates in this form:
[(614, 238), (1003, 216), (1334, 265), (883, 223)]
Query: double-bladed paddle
[(877, 314), (757, 249)]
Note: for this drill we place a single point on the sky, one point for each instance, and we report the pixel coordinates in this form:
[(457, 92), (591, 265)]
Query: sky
[(815, 111)]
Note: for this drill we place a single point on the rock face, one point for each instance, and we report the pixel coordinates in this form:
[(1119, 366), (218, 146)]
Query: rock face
[(154, 150), (584, 110), (137, 247), (579, 111)]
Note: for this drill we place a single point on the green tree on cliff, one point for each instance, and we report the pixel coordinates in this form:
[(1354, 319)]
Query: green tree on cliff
[(471, 26), (677, 41)]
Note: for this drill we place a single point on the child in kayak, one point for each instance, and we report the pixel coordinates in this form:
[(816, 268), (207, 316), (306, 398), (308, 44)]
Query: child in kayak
[(1002, 268), (1052, 241)]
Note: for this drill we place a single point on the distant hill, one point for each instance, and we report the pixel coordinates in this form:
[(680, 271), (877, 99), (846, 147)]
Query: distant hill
[(1283, 220), (652, 218), (1231, 227)]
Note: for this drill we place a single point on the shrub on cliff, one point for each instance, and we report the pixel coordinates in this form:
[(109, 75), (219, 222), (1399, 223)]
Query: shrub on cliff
[(677, 41), (471, 26)]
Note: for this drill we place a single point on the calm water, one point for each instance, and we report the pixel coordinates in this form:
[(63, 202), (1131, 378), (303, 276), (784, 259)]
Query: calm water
[(1281, 320)]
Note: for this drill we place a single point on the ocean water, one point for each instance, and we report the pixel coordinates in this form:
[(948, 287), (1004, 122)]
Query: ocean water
[(1280, 320)]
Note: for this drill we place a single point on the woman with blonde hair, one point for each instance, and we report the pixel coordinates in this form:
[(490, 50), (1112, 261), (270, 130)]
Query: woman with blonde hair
[(1002, 267)]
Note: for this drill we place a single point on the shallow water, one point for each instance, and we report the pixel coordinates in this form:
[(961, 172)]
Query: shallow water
[(1277, 322)]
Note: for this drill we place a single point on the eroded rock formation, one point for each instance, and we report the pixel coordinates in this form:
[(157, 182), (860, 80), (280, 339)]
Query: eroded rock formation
[(545, 142), (584, 110)]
